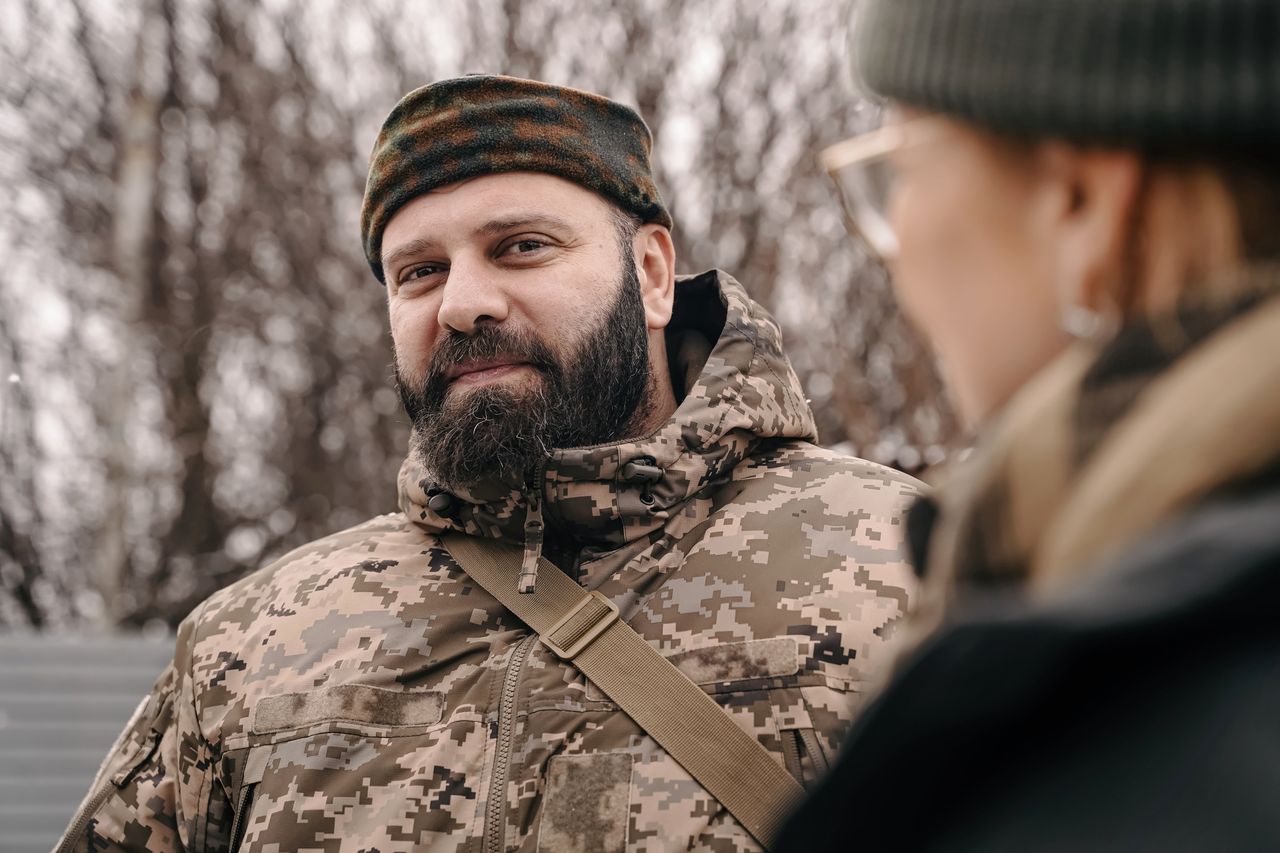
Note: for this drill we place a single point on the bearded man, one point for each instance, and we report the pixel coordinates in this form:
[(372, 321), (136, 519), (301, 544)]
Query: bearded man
[(576, 408)]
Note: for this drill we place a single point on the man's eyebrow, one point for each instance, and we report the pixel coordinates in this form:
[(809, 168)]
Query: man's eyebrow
[(522, 220), (406, 250), (491, 228)]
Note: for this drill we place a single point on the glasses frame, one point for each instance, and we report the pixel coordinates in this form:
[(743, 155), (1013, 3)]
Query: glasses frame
[(868, 148)]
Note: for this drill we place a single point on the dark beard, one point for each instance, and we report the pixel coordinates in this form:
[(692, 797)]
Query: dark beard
[(599, 394)]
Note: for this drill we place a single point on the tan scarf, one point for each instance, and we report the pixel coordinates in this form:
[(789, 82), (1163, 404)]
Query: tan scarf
[(1107, 443)]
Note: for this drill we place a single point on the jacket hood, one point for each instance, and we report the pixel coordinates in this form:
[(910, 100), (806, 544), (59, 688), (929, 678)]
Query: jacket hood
[(739, 389)]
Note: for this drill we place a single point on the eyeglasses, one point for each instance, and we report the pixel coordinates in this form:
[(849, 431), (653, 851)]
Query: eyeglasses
[(864, 178)]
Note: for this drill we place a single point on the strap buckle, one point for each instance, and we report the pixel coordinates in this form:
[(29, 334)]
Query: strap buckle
[(588, 619)]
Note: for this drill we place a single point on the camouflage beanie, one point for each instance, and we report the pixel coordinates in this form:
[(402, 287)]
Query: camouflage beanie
[(479, 125)]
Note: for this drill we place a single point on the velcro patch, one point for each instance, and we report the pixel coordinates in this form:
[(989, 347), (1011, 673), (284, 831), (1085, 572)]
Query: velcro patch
[(750, 659), (587, 806), (354, 703)]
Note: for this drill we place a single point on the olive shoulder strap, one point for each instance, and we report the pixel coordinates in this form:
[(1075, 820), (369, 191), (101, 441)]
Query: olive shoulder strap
[(584, 628)]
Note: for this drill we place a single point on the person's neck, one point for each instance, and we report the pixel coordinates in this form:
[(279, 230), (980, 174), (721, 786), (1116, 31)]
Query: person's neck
[(660, 398), (662, 406)]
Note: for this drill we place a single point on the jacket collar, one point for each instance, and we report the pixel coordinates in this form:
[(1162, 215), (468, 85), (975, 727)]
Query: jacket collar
[(603, 497)]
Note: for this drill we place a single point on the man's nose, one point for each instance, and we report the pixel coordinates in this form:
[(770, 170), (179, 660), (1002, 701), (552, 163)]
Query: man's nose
[(472, 297)]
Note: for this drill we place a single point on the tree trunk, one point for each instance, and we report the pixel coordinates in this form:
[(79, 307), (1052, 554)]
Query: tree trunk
[(133, 259)]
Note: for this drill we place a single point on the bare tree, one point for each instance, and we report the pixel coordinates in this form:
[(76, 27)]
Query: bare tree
[(20, 576)]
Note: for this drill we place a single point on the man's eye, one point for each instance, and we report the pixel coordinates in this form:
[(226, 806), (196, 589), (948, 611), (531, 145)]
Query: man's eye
[(421, 272), (524, 247)]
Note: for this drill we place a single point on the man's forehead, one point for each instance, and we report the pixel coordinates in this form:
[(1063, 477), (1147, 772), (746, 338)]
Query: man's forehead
[(483, 205)]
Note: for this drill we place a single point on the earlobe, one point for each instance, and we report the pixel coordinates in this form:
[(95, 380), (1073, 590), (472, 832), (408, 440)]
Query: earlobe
[(655, 267), (1096, 193)]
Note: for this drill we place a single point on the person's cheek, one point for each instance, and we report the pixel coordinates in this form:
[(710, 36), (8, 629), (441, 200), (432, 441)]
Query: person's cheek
[(412, 333), (918, 222)]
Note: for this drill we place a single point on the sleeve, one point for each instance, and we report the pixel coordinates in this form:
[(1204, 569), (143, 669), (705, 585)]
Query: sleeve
[(156, 790)]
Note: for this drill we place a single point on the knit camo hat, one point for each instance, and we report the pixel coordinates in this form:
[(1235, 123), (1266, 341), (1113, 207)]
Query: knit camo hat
[(480, 125), (1162, 73)]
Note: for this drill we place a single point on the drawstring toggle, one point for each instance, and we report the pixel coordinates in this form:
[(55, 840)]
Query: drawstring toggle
[(532, 545)]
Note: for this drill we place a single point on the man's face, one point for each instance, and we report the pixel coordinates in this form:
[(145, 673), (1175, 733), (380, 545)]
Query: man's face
[(518, 324)]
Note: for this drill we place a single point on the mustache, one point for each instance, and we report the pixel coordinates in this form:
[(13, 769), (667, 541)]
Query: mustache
[(425, 398), (489, 342)]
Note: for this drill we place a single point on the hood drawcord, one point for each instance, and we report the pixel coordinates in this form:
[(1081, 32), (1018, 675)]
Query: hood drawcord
[(532, 543), (441, 502), (646, 472)]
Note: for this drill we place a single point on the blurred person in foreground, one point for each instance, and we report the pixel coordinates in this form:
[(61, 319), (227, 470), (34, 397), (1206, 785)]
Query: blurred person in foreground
[(571, 401), (1095, 663)]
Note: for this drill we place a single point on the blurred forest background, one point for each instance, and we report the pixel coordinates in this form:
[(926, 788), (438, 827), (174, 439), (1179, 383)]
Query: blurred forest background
[(194, 362)]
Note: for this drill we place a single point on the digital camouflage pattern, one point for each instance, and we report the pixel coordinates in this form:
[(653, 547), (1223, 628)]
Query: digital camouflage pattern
[(362, 694), (452, 130)]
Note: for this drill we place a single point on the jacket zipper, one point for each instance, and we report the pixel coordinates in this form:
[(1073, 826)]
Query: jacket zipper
[(809, 739), (495, 822), (108, 784), (86, 814), (797, 744), (791, 754), (241, 821)]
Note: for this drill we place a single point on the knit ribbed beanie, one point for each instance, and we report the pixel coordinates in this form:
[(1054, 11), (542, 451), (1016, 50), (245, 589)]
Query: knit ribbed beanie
[(1163, 73), (476, 125)]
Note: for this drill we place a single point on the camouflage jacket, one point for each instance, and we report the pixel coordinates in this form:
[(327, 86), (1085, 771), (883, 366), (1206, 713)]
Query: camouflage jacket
[(361, 694)]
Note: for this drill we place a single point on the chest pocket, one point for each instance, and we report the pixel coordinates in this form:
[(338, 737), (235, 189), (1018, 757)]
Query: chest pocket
[(644, 799), (647, 796), (344, 763)]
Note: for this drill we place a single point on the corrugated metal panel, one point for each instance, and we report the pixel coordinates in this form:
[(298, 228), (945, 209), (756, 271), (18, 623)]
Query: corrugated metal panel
[(63, 700)]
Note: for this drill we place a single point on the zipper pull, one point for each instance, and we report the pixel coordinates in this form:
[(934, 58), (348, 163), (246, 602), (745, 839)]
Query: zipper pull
[(532, 544)]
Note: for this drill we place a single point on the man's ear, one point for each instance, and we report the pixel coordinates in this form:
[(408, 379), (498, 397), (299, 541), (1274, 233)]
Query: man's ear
[(655, 256)]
